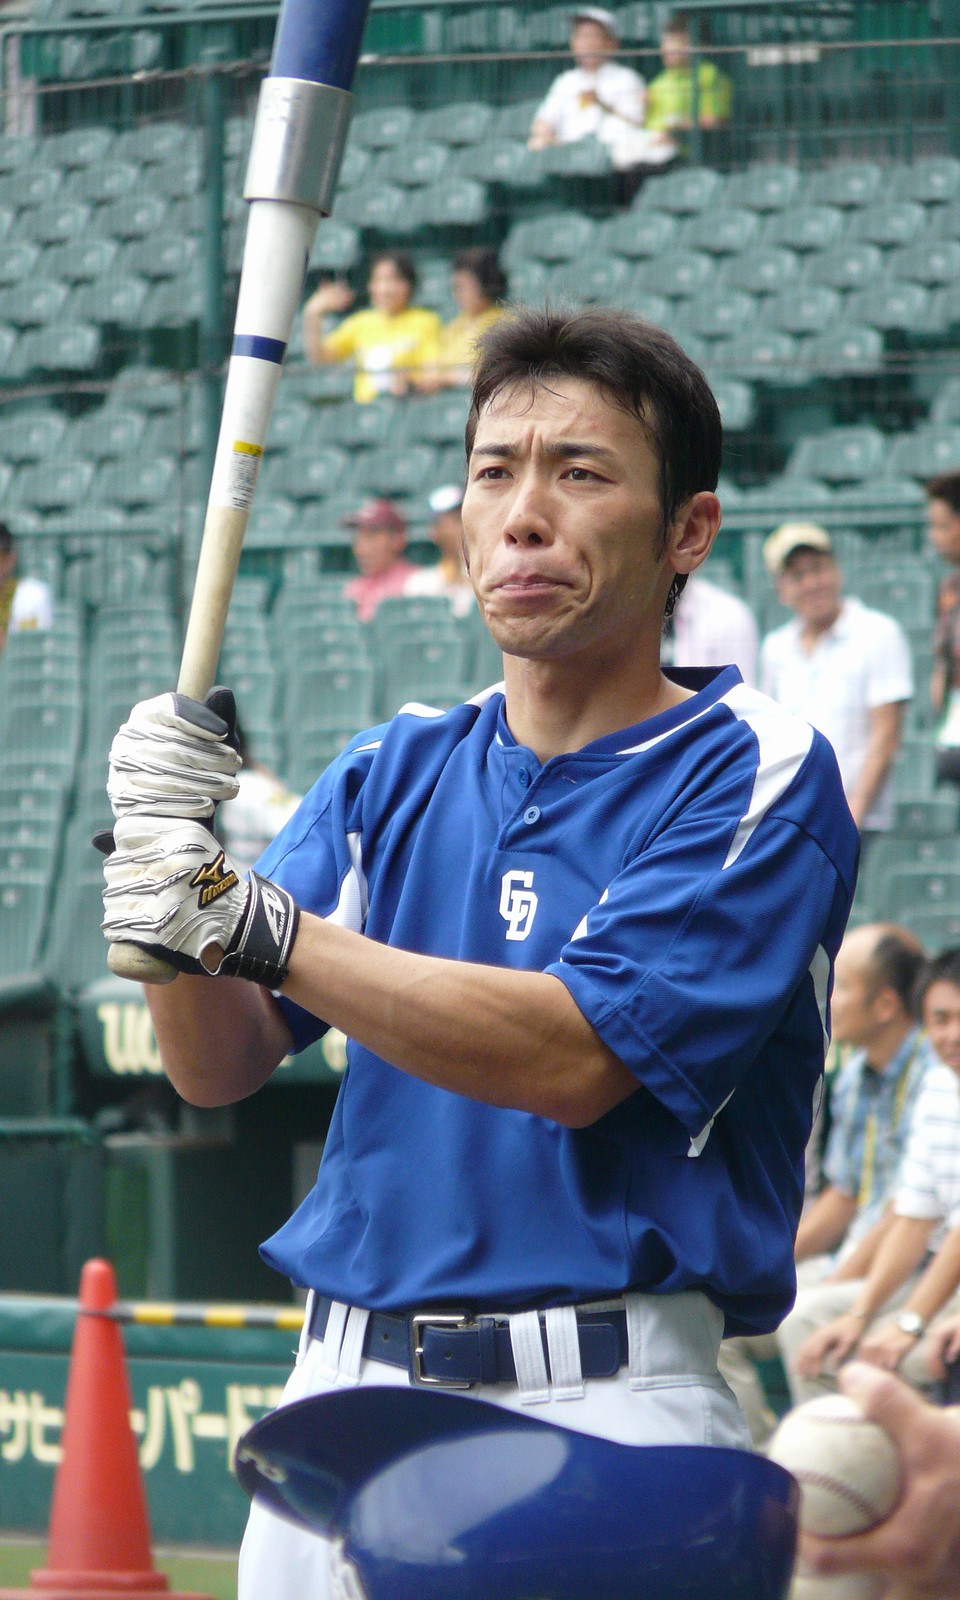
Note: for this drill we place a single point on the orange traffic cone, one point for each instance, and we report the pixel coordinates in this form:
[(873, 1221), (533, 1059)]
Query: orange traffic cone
[(99, 1539)]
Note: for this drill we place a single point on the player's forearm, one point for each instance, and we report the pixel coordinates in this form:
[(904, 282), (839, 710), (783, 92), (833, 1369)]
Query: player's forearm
[(824, 1225), (507, 1038), (882, 747), (900, 1253), (219, 1038)]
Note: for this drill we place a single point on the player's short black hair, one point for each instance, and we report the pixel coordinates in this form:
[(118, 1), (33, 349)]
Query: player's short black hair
[(945, 486), (401, 263), (897, 962), (944, 968), (482, 264), (639, 366)]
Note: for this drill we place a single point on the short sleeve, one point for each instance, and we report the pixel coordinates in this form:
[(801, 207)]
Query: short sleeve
[(694, 954), (890, 669), (917, 1194), (554, 106), (343, 340)]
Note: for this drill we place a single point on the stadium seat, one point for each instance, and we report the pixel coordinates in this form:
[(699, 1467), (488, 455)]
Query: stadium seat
[(290, 425), (889, 306), (178, 178), (31, 436), (850, 183), (847, 266), (336, 246), (79, 147), (848, 348), (154, 143), (81, 260), (636, 234), (720, 313), (136, 216), (527, 281), (114, 299), (23, 908), (737, 403), (595, 277), (678, 275), (30, 187), (438, 419), (331, 693), (372, 206), (514, 121), (421, 668), (787, 496), (582, 158), (105, 433), (271, 514), (171, 256), (769, 187), (689, 189), (888, 223), (931, 180), (53, 485), (361, 426), (173, 303), (401, 472), (452, 202), (59, 347), (503, 161), (310, 474), (727, 232), (383, 127), (803, 308), (142, 481), (109, 180), (557, 236), (762, 271), (412, 164), (844, 455), (17, 150), (805, 227), (943, 222), (944, 408), (925, 452), (461, 122), (886, 493), (32, 303), (932, 263)]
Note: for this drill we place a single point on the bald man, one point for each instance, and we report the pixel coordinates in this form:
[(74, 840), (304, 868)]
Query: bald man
[(874, 1010)]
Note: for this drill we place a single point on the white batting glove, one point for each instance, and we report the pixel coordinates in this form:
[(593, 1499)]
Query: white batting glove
[(173, 758), (172, 891)]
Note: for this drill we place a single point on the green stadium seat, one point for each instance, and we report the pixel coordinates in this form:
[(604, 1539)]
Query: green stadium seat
[(31, 436), (19, 259), (30, 186), (514, 121), (849, 265), (720, 313), (943, 222), (593, 278), (49, 730), (849, 183), (53, 485), (17, 150), (33, 303), (411, 165), (731, 230), (108, 180), (143, 481), (461, 122), (768, 187), (434, 286), (762, 271), (942, 314), (79, 147), (173, 303), (422, 669), (59, 347), (271, 514), (925, 452), (933, 263), (737, 403), (885, 493), (582, 158), (136, 216), (310, 474), (355, 163), (945, 406), (503, 161), (805, 227), (452, 202), (112, 300), (178, 178), (788, 496), (527, 281), (81, 260), (556, 236), (889, 306), (636, 234), (803, 308), (438, 419), (106, 433), (171, 256), (395, 472), (910, 890), (290, 425), (154, 143), (931, 180), (23, 908), (689, 189), (844, 455), (58, 221), (373, 205), (361, 426), (847, 349), (329, 694), (678, 275), (336, 246), (888, 223), (321, 386), (383, 127)]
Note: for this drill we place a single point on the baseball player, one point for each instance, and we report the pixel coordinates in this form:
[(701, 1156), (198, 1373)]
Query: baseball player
[(579, 932)]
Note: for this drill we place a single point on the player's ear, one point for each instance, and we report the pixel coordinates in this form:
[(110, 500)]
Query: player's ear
[(692, 532)]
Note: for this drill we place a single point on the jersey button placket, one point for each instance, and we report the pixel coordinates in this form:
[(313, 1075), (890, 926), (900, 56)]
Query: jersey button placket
[(531, 815)]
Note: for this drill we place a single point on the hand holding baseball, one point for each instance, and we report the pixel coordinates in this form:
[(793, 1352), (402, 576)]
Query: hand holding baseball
[(917, 1547)]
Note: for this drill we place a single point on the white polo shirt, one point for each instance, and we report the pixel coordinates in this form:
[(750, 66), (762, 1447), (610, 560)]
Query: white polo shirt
[(860, 663), (572, 114), (929, 1183), (712, 628)]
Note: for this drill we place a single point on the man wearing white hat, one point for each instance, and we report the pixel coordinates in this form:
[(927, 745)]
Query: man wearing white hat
[(449, 576), (598, 98), (840, 665)]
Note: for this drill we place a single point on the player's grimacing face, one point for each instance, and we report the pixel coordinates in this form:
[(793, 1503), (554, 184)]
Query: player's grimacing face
[(562, 522)]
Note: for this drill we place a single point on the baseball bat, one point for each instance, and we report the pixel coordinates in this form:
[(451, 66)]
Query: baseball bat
[(300, 130)]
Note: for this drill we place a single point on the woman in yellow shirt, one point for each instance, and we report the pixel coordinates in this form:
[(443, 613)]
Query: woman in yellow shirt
[(478, 285), (389, 343)]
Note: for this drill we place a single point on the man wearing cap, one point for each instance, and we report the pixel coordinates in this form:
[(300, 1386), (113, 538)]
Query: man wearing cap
[(379, 540), (598, 98), (842, 666), (449, 576)]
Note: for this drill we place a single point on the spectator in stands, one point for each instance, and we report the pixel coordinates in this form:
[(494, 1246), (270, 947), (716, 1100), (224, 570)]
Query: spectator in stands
[(263, 803), (672, 93), (840, 665), (389, 342), (598, 98), (379, 540), (711, 628), (916, 1548), (24, 602), (943, 524), (910, 1265), (449, 575), (873, 1011), (478, 285)]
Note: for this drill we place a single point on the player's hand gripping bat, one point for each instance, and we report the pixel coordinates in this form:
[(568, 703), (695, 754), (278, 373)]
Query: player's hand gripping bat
[(298, 140)]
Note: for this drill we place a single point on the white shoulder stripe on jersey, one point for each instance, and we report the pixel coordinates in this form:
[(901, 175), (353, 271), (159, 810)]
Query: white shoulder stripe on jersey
[(351, 909), (416, 708), (784, 742)]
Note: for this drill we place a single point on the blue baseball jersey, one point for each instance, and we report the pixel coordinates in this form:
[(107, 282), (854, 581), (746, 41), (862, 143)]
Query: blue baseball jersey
[(688, 879)]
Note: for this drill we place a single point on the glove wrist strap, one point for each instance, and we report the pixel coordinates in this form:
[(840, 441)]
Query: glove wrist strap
[(260, 948)]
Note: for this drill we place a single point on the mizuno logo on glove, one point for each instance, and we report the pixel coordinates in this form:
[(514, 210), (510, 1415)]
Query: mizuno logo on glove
[(213, 879)]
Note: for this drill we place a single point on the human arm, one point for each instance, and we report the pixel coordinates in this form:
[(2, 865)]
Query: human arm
[(886, 1346), (938, 686), (541, 135), (882, 745), (900, 1253), (942, 1347), (857, 1261), (331, 297), (916, 1548), (825, 1222)]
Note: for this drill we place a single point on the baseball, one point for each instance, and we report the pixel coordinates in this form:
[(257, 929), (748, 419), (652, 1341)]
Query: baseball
[(847, 1467), (839, 1586)]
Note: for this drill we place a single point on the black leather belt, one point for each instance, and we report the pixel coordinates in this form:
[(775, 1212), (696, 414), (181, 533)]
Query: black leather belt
[(456, 1349)]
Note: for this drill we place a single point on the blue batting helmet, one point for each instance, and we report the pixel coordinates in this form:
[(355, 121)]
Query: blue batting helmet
[(440, 1497)]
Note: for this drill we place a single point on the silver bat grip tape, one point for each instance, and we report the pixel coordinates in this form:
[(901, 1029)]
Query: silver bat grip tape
[(298, 141)]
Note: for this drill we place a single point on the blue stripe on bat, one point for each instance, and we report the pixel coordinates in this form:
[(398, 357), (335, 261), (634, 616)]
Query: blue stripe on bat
[(319, 40), (251, 344)]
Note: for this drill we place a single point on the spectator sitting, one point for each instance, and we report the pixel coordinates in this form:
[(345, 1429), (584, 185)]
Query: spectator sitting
[(840, 665), (943, 528), (389, 342), (24, 602), (711, 628), (478, 286), (598, 98), (670, 96), (252, 820), (379, 540), (449, 575)]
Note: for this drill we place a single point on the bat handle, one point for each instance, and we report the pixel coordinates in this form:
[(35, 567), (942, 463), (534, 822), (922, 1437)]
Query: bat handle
[(130, 961)]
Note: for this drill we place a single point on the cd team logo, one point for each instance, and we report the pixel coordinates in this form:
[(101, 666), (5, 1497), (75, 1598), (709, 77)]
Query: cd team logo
[(213, 879), (518, 903)]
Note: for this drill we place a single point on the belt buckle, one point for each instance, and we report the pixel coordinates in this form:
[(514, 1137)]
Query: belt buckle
[(434, 1319)]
